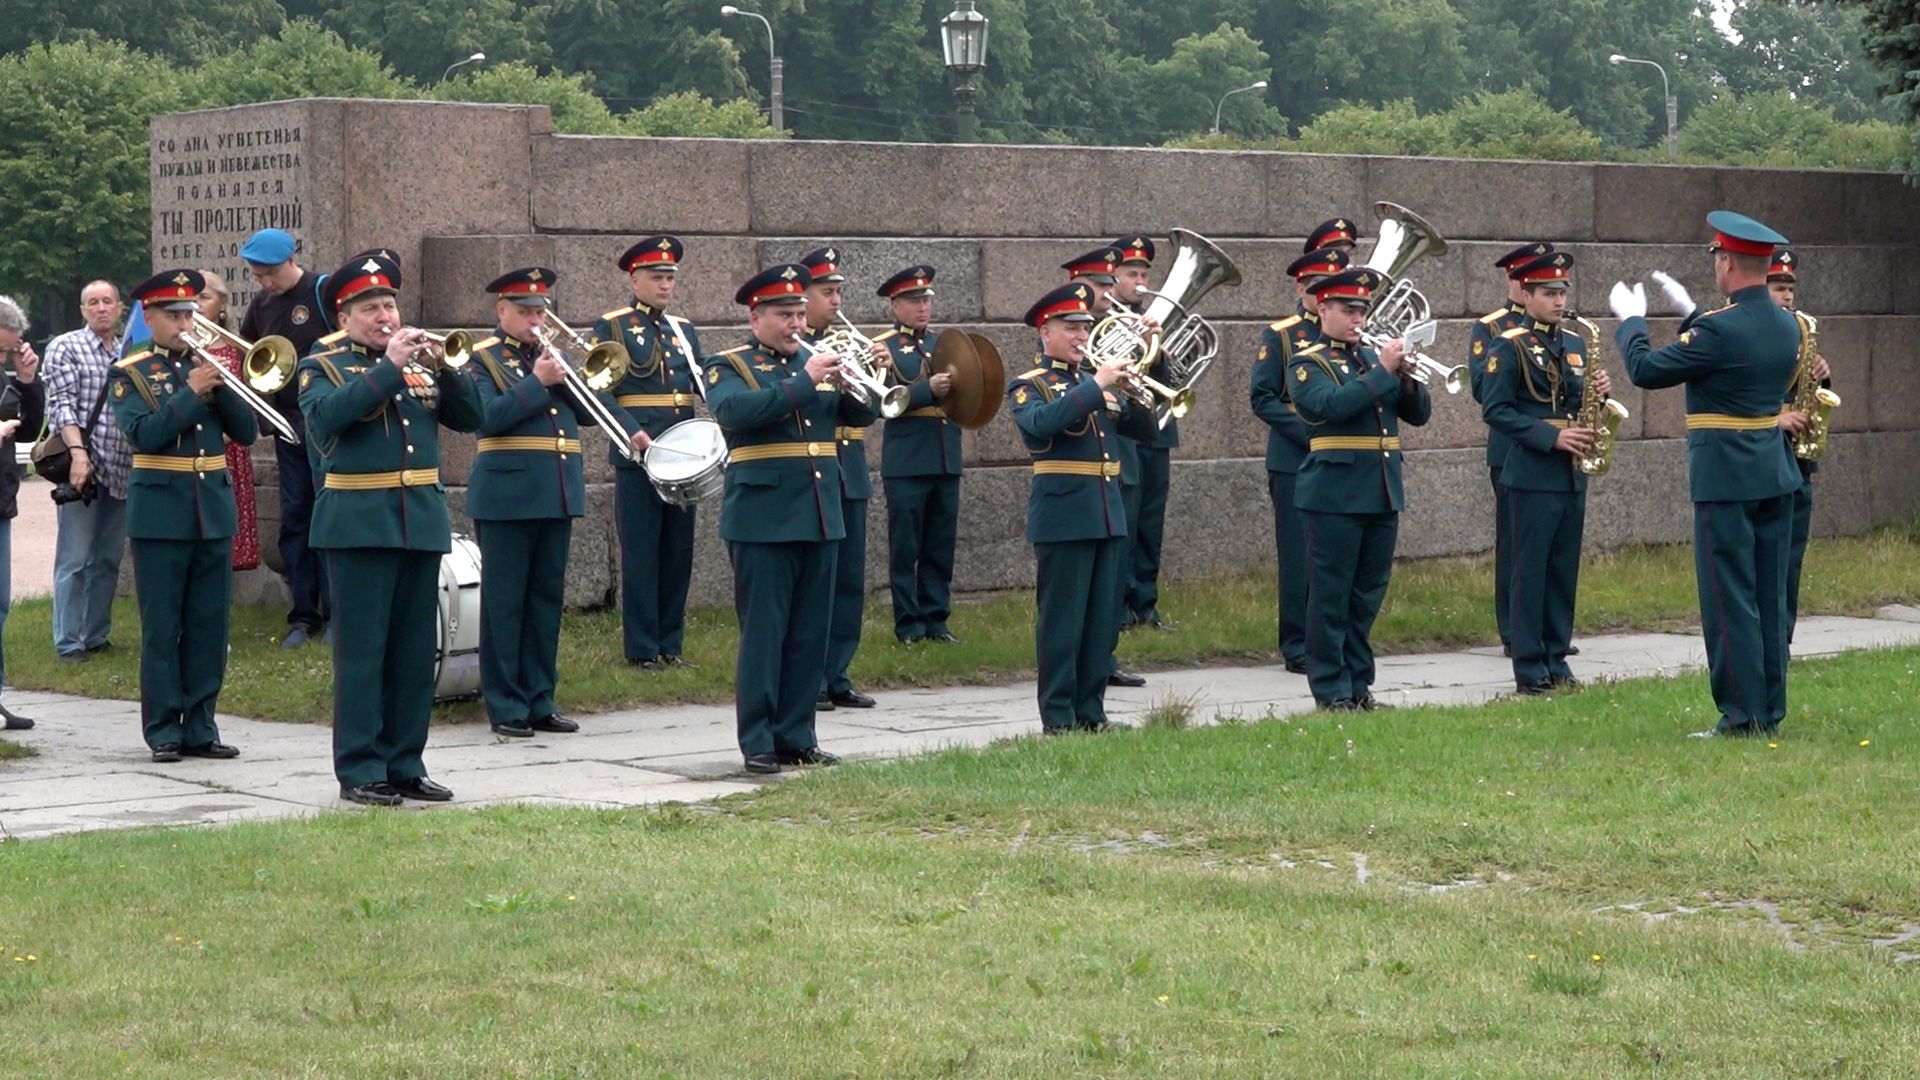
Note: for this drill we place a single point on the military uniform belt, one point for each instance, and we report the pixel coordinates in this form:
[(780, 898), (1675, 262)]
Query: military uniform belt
[(655, 401), (376, 481), (850, 434), (1558, 422), (769, 451), (554, 445), (929, 411), (1713, 421), (1354, 442), (1076, 468), (164, 463)]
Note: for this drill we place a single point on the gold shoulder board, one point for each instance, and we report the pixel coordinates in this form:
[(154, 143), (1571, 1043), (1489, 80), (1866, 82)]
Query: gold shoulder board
[(1514, 333), (134, 359), (1284, 323), (618, 312), (1493, 316), (487, 343), (336, 338)]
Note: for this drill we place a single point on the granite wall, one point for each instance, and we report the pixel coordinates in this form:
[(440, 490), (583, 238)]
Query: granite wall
[(465, 191)]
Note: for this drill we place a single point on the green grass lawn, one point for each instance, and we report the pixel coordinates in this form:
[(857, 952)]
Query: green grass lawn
[(1153, 903), (1433, 603)]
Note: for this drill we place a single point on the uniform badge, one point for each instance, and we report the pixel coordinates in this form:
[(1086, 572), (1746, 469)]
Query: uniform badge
[(1575, 360), (1021, 396), (421, 386), (1300, 374), (306, 379), (119, 390), (713, 376), (1479, 347), (1263, 353), (1493, 364), (1686, 337), (300, 315)]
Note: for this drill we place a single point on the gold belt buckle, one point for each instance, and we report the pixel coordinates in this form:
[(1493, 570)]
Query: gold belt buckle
[(560, 444), (406, 478), (813, 449), (200, 462)]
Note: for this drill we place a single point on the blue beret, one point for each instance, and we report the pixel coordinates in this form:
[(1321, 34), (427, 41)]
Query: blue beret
[(268, 247)]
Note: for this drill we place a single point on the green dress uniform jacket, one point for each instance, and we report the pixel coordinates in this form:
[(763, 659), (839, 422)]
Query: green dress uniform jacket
[(1735, 363), (181, 520), (658, 391), (850, 558), (1486, 330), (1286, 449), (920, 467), (922, 441)]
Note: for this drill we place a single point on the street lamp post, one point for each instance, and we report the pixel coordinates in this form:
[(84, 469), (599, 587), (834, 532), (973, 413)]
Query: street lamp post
[(1666, 91), (963, 37), (1222, 103), (476, 58), (776, 68)]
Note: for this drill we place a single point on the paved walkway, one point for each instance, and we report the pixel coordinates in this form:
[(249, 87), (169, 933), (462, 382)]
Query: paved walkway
[(92, 772)]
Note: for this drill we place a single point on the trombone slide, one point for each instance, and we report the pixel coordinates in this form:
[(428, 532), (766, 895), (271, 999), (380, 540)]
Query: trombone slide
[(580, 389), (282, 430)]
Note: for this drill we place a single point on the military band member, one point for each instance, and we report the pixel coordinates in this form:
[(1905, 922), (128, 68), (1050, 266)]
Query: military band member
[(920, 466), (782, 519), (1287, 443), (659, 391), (1479, 340), (527, 485), (1337, 232), (825, 287), (1070, 419), (179, 415), (1096, 270), (1733, 362), (374, 397), (1349, 490), (1130, 276), (1783, 284), (1532, 381)]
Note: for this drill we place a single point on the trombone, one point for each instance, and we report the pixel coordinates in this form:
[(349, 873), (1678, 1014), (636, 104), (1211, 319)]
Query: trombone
[(268, 364), (599, 367)]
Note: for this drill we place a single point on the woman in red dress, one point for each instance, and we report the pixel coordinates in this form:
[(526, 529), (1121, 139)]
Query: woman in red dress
[(246, 539)]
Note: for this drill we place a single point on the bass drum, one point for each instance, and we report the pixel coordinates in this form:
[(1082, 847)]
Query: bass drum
[(456, 658), (688, 463)]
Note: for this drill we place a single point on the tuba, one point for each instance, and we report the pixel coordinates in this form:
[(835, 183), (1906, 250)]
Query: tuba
[(1602, 415), (1402, 311), (1809, 396), (1186, 341)]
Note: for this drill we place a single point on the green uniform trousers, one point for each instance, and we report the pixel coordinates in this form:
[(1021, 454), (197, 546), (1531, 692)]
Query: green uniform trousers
[(523, 588), (1130, 506), (1740, 566), (782, 596), (849, 597), (1543, 535), (183, 588), (923, 522), (384, 636), (1077, 591), (656, 566), (1143, 588), (1797, 554), (1502, 557), (1350, 558), (1290, 543)]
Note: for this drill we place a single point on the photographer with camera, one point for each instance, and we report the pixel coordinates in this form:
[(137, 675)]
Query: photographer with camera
[(93, 502), (23, 408)]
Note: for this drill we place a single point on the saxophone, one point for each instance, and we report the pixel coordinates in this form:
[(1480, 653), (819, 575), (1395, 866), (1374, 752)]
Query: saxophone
[(1809, 396), (1600, 414)]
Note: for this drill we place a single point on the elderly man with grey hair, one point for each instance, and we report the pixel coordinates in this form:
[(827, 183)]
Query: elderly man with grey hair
[(93, 522), (23, 408)]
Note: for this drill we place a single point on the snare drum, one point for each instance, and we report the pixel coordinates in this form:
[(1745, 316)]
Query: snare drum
[(688, 463), (456, 658)]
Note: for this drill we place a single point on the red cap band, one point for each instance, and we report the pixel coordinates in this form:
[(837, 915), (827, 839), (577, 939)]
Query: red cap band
[(774, 291), (1073, 306), (1741, 247)]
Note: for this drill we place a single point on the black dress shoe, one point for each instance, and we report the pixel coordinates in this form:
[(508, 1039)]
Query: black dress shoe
[(1298, 667), (1369, 703), (762, 763), (1573, 650), (421, 788), (1131, 622), (297, 635), (214, 749), (167, 752), (516, 730), (105, 646), (651, 663), (812, 755), (674, 660), (1340, 705), (1051, 731), (1535, 688), (911, 639), (1122, 677), (1506, 650), (850, 699), (379, 793), (823, 703), (1567, 682), (556, 722), (14, 721), (1161, 622), (943, 638)]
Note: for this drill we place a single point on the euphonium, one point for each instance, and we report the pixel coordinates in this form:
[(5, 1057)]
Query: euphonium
[(1809, 396), (1126, 335), (1602, 415)]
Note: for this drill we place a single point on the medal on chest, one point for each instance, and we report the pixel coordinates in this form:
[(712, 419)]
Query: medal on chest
[(421, 385)]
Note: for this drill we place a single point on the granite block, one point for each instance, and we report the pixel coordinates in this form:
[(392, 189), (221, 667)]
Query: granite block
[(1894, 385), (991, 191), (712, 268), (1449, 506), (1214, 193), (1895, 490), (1645, 499), (1846, 280), (1882, 208), (867, 263), (1843, 488), (1802, 204), (1847, 343), (1599, 266), (1303, 190), (853, 189), (454, 272), (1219, 519), (590, 183), (592, 553), (1489, 200), (1652, 204)]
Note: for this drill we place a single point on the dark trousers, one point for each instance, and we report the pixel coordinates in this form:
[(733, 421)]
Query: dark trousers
[(656, 566), (1290, 544), (1543, 531), (1143, 590), (782, 594), (1502, 557), (1075, 626), (183, 588), (1797, 551), (1740, 565), (849, 597), (384, 635), (923, 522), (1351, 558), (523, 587), (305, 570), (1123, 557)]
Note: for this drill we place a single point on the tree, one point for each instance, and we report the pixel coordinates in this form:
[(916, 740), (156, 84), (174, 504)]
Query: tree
[(1395, 128), (1892, 40), (576, 111), (1181, 91), (637, 52), (690, 114), (180, 30), (304, 60), (73, 117), (1811, 49), (1328, 52), (1759, 129), (1517, 124), (421, 37)]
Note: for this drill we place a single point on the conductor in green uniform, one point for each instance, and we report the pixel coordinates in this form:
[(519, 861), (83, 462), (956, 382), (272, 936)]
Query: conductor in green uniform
[(779, 405), (1272, 402), (1531, 385), (179, 415), (1071, 421), (1735, 362), (1349, 490), (920, 467), (374, 396)]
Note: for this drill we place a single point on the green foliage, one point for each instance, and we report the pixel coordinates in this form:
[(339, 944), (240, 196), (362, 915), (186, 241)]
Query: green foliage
[(1182, 90), (421, 37), (1875, 144), (1395, 128), (1517, 124), (576, 111), (1810, 49), (1891, 37), (303, 60), (1760, 129), (690, 114), (179, 30)]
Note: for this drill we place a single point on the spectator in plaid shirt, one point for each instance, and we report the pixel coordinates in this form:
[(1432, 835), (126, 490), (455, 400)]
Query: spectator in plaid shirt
[(93, 532)]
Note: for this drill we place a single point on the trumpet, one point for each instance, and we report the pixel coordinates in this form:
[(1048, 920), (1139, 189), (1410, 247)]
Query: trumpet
[(599, 369), (860, 381), (1425, 368), (449, 351), (268, 364)]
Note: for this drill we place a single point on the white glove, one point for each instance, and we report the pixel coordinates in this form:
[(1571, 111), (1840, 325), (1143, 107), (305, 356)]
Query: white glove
[(1676, 293), (1628, 303)]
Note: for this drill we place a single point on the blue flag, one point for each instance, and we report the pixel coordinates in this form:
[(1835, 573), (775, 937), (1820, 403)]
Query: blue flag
[(137, 336)]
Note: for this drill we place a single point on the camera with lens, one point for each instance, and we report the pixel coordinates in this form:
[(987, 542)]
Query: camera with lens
[(67, 493)]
